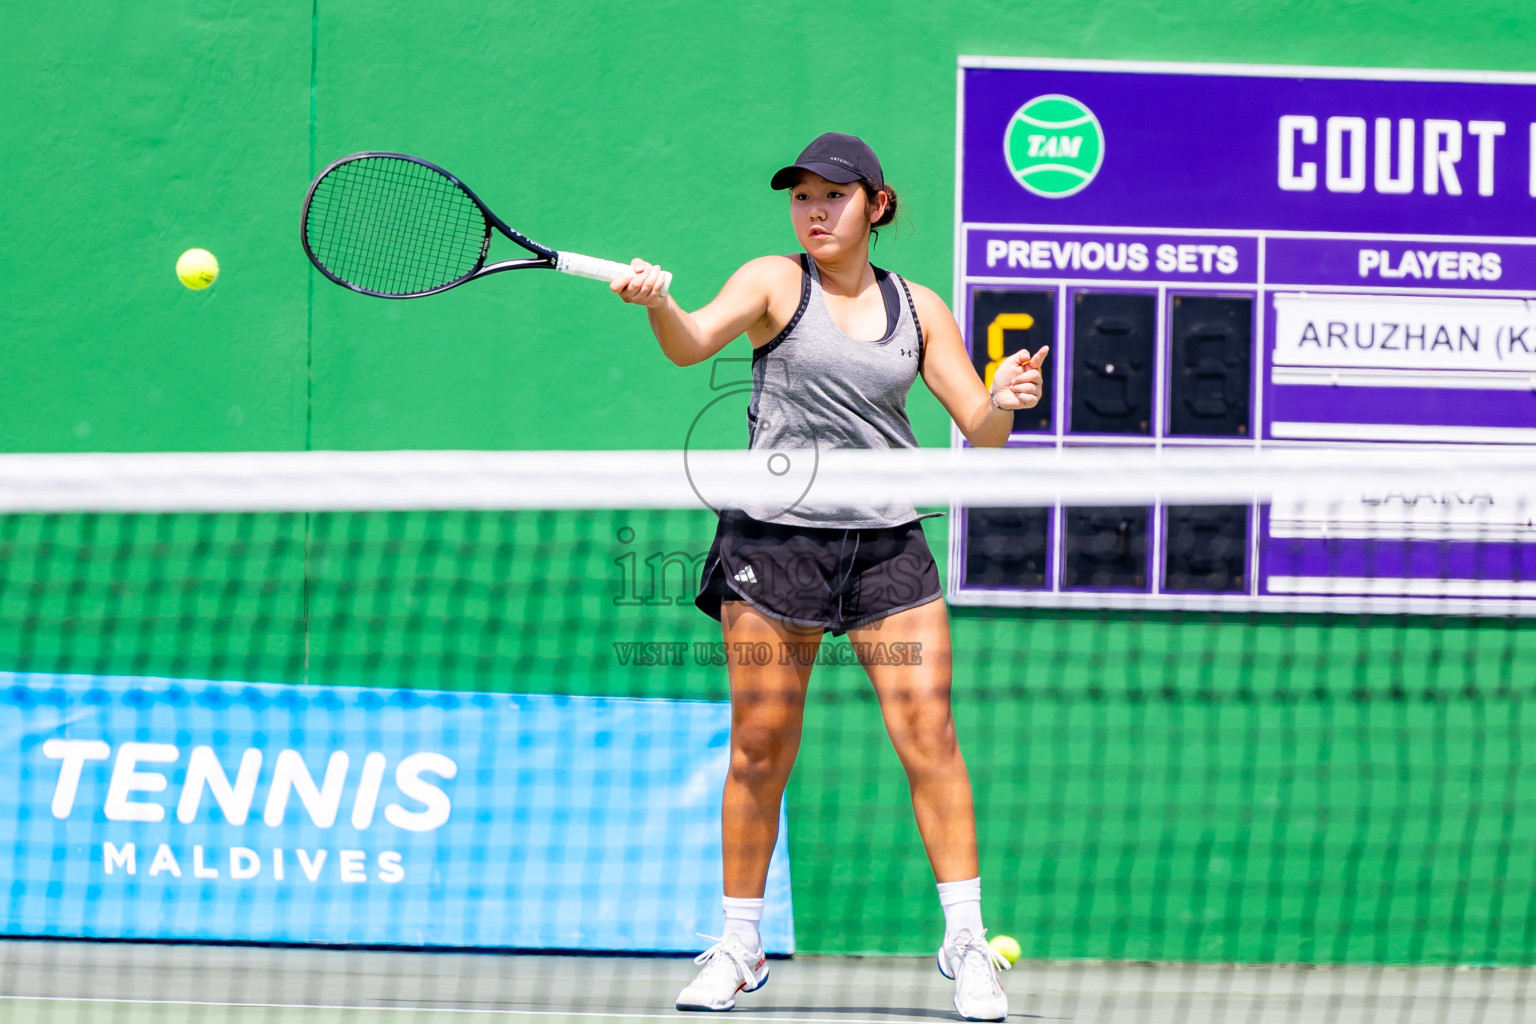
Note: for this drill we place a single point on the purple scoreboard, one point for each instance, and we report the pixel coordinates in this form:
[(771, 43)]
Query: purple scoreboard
[(1250, 256)]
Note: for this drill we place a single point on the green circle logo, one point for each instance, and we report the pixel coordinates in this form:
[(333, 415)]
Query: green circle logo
[(1054, 146)]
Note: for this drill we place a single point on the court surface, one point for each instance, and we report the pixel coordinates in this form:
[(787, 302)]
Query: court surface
[(63, 982)]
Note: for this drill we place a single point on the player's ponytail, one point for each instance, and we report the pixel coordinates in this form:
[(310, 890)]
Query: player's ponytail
[(871, 190)]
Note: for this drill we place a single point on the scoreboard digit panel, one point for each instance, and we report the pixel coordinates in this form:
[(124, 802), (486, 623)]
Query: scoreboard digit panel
[(1210, 366), (1112, 353), (1001, 323), (1252, 257)]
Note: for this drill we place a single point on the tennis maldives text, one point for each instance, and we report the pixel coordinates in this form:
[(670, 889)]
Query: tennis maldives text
[(142, 768)]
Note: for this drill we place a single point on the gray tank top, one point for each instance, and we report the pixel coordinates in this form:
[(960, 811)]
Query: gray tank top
[(815, 387)]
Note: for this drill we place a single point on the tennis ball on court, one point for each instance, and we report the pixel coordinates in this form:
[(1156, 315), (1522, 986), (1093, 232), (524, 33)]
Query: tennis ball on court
[(1006, 947), (197, 268)]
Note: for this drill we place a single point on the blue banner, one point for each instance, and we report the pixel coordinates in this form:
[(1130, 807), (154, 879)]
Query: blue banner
[(184, 809)]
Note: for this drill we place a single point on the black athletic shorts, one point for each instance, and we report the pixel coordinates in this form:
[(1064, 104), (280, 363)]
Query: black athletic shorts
[(816, 576)]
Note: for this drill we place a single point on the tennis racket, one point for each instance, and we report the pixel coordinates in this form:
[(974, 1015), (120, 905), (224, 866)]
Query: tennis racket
[(398, 227)]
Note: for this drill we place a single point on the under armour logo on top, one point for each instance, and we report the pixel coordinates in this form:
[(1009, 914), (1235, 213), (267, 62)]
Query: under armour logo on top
[(908, 352), (746, 576)]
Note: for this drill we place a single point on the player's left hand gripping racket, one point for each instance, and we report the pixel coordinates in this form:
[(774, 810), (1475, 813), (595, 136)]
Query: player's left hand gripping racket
[(399, 227)]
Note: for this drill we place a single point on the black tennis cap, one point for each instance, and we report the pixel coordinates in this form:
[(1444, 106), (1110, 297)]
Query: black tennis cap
[(836, 157)]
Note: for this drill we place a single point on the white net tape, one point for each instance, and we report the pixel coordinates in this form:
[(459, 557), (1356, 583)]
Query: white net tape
[(297, 481)]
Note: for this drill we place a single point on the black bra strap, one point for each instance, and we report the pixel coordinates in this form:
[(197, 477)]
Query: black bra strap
[(922, 336), (805, 300)]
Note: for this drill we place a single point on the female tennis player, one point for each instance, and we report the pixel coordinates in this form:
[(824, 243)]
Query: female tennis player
[(849, 339)]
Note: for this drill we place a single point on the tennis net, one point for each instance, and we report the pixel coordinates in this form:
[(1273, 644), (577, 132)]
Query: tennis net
[(324, 735)]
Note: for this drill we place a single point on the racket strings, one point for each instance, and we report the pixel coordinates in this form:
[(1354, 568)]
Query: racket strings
[(428, 217), (417, 221), (394, 227), (433, 219)]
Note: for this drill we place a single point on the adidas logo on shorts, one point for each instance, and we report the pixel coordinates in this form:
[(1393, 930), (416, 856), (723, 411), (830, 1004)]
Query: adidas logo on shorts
[(746, 576)]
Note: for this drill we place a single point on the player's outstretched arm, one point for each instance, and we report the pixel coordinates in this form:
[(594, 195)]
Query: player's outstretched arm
[(689, 338), (949, 374)]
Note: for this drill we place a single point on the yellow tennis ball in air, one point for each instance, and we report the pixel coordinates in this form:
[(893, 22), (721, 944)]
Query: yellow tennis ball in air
[(1006, 947), (197, 268)]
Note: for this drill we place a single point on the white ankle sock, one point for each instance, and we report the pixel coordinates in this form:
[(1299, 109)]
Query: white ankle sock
[(962, 907), (741, 920)]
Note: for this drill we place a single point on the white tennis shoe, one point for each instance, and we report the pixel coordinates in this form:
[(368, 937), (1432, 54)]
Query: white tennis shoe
[(974, 965), (729, 968)]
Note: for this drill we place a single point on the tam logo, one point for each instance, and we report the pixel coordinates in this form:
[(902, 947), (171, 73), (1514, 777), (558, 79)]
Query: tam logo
[(1054, 146)]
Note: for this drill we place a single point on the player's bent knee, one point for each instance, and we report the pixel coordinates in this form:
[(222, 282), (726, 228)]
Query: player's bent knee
[(924, 745), (760, 756)]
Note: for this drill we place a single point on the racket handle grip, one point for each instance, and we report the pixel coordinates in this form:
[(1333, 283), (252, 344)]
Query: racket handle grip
[(600, 270)]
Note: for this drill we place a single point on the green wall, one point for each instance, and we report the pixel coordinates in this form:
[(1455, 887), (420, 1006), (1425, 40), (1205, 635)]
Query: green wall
[(136, 130), (1158, 787)]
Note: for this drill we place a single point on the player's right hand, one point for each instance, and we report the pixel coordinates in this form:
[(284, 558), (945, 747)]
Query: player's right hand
[(645, 287)]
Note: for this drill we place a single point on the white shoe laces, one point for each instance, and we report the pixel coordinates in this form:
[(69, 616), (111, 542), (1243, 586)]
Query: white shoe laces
[(724, 953), (986, 961)]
